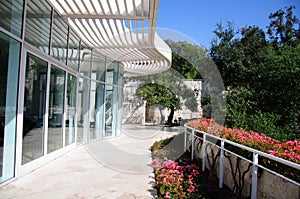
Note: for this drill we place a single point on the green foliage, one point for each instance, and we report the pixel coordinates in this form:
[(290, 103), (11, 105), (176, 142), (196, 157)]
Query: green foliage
[(205, 100), (184, 57), (167, 89), (239, 102), (282, 27), (266, 66), (264, 122), (156, 94)]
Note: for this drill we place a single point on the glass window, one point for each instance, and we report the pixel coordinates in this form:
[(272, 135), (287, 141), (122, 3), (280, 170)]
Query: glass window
[(109, 111), (56, 107), (98, 67), (83, 110), (92, 110), (38, 20), (73, 50), (9, 71), (120, 100), (59, 38), (120, 110), (121, 75), (70, 110), (96, 110), (110, 72), (11, 13), (116, 71), (111, 108), (85, 61), (34, 108)]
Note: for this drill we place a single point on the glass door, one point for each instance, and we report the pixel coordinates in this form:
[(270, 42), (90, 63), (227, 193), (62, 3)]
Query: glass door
[(56, 109), (34, 108)]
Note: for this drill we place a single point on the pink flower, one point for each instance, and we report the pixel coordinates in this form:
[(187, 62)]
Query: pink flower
[(271, 152), (289, 150), (155, 164), (290, 143), (167, 196)]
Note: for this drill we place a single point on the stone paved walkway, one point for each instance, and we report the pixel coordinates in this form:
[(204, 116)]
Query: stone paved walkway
[(112, 168)]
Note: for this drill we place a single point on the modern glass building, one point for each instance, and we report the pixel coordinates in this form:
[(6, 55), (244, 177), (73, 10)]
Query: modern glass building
[(61, 76)]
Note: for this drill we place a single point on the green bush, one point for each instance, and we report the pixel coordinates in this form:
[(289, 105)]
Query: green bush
[(265, 123), (239, 104)]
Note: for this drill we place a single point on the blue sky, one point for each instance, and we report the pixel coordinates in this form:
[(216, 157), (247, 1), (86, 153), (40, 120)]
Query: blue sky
[(198, 18)]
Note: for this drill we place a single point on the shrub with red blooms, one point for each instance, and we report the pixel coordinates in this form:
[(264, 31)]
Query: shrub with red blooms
[(174, 181), (289, 150)]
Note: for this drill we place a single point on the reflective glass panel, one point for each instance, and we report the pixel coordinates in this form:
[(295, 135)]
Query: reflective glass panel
[(73, 50), (85, 61), (59, 38), (56, 107), (120, 110), (96, 110), (109, 117), (9, 70), (92, 110), (38, 19), (98, 67), (70, 110), (83, 125), (34, 108), (11, 16)]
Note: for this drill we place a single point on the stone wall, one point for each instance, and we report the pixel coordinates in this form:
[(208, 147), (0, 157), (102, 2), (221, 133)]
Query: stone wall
[(138, 116)]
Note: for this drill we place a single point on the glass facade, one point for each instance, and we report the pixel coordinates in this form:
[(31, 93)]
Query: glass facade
[(66, 92)]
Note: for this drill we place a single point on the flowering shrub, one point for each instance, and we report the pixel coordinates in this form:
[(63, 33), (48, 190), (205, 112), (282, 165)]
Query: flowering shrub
[(175, 181), (289, 150)]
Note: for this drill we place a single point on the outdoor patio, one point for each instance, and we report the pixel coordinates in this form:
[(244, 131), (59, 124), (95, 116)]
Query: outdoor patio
[(111, 168)]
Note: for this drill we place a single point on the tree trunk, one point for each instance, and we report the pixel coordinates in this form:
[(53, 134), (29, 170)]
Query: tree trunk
[(170, 117)]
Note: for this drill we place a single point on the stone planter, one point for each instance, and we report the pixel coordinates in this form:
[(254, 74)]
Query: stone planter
[(238, 175)]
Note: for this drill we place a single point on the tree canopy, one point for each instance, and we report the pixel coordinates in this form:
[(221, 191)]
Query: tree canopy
[(261, 71), (167, 89)]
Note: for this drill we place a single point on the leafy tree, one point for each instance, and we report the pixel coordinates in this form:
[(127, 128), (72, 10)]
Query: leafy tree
[(268, 68), (161, 96), (284, 27), (167, 89), (182, 55)]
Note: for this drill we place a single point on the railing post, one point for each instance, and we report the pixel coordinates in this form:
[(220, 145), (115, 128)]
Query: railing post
[(221, 165), (184, 144), (193, 137), (254, 176), (203, 152)]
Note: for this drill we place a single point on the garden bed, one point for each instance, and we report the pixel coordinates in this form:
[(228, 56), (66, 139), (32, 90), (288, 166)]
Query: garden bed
[(182, 178)]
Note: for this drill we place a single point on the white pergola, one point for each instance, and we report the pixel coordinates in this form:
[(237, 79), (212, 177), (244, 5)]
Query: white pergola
[(123, 30)]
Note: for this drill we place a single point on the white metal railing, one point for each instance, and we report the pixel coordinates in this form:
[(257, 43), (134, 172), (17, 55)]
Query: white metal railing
[(254, 161)]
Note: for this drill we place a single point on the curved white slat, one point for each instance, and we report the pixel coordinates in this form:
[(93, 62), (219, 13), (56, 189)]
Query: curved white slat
[(116, 29)]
